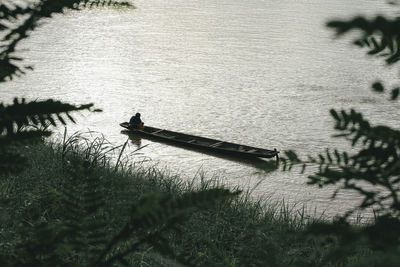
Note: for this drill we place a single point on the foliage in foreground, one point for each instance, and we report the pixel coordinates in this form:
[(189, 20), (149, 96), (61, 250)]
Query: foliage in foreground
[(24, 121), (19, 18), (59, 214), (74, 227), (81, 229), (374, 170)]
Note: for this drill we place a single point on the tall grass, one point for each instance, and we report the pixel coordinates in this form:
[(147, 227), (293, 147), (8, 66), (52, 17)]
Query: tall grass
[(236, 232)]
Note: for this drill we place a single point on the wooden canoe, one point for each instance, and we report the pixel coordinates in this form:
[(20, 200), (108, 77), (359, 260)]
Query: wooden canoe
[(204, 143)]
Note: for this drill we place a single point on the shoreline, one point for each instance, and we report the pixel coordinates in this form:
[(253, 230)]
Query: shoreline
[(238, 232)]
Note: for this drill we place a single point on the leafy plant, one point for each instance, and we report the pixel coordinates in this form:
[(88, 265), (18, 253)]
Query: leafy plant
[(374, 169), (19, 18), (22, 120), (81, 237)]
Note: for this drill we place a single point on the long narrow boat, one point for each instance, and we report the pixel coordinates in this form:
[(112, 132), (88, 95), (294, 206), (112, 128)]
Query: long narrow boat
[(204, 143)]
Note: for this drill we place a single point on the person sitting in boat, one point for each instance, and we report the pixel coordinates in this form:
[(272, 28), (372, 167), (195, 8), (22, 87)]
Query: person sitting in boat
[(135, 122)]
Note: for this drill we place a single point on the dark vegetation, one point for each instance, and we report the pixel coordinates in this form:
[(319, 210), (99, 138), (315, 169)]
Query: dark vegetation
[(374, 170), (67, 205), (79, 229), (70, 207)]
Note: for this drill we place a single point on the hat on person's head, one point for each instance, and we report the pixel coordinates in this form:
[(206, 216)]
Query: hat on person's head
[(137, 114)]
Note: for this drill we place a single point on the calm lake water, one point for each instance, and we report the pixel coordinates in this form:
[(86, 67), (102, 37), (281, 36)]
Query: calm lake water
[(257, 72)]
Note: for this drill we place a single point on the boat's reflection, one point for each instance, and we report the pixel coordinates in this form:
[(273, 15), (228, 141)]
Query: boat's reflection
[(264, 165), (136, 140)]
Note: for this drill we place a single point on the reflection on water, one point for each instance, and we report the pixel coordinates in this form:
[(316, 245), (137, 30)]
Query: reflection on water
[(260, 72), (136, 140)]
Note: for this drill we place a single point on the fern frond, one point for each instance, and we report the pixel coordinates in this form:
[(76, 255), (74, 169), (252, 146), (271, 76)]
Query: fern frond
[(83, 200), (23, 120), (376, 162), (18, 19), (12, 10), (380, 35), (36, 113), (157, 213)]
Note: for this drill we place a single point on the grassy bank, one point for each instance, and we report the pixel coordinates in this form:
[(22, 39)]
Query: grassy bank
[(231, 232)]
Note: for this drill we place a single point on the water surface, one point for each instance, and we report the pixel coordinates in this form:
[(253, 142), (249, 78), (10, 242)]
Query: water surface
[(262, 73)]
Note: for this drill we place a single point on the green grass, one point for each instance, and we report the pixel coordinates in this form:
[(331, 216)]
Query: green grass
[(236, 232)]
